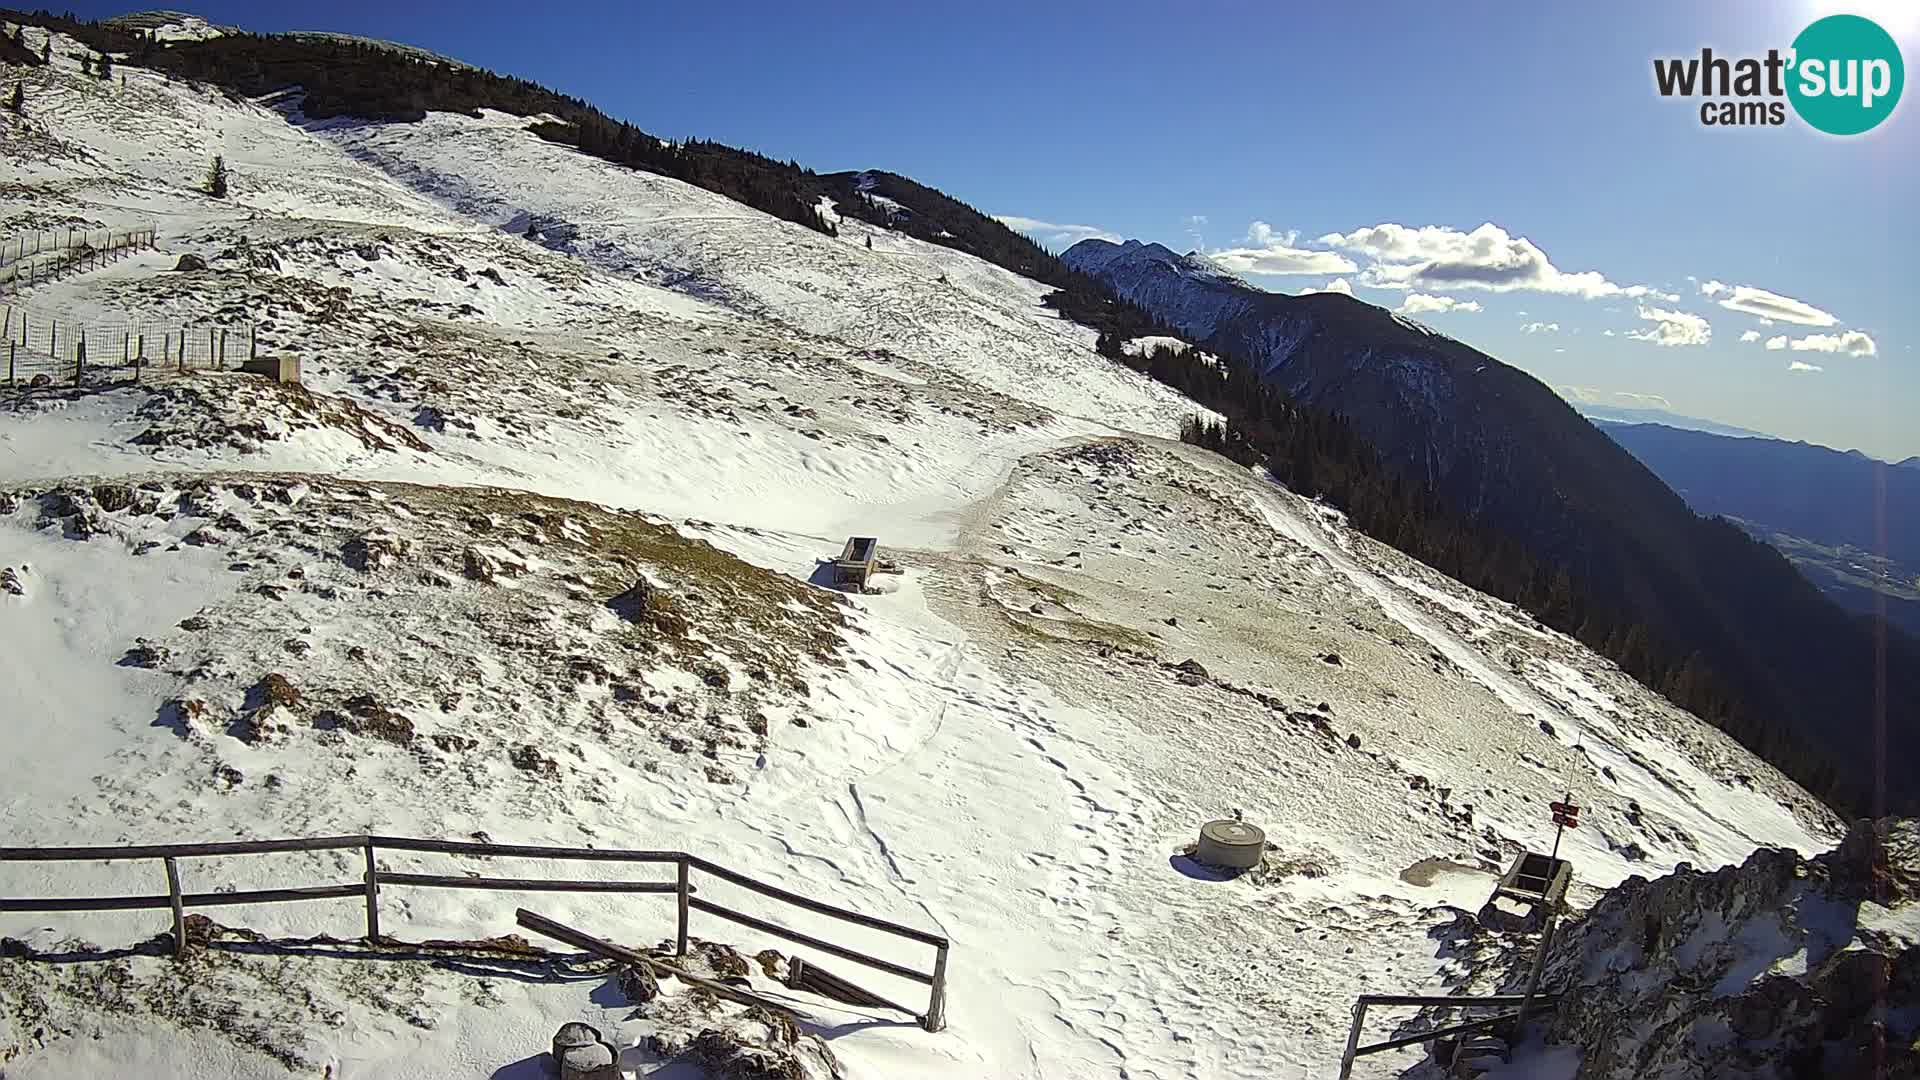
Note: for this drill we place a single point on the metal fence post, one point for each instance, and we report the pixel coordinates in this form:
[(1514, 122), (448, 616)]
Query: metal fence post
[(937, 1004), (680, 942), (373, 898), (179, 910)]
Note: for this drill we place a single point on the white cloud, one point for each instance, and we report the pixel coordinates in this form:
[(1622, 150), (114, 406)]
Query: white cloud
[(1440, 257), (1195, 220), (1798, 365), (1672, 327), (1275, 253), (1052, 233), (1339, 285), (1766, 305), (1419, 303), (1776, 343), (1852, 342), (1712, 288), (1540, 328), (1592, 396), (1606, 333), (1751, 335)]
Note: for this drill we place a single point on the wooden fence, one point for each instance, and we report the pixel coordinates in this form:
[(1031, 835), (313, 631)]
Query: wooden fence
[(65, 350), (44, 254), (683, 888)]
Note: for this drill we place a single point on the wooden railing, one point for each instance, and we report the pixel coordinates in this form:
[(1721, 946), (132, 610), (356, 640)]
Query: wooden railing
[(683, 888), (1510, 1017)]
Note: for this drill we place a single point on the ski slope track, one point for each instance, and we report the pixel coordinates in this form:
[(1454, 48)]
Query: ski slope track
[(532, 380)]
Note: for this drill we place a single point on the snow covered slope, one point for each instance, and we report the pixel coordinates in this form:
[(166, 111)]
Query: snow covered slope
[(408, 598)]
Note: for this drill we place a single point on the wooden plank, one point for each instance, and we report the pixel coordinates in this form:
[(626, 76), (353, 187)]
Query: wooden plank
[(148, 903), (459, 881), (111, 853), (273, 896), (810, 904), (818, 980), (84, 903), (179, 910), (373, 895), (810, 941), (1461, 1002), (540, 924), (1437, 1033), (936, 1018), (684, 891), (524, 851)]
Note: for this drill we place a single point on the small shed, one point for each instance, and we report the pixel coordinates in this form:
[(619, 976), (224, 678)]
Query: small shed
[(857, 561)]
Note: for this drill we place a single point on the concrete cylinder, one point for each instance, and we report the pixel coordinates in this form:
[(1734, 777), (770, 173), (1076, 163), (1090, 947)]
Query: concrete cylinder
[(1230, 844)]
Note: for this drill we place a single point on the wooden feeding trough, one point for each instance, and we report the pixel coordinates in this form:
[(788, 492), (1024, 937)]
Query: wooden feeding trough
[(1535, 880), (857, 561)]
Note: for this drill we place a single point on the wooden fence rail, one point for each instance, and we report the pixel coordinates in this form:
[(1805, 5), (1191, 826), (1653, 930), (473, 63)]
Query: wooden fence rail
[(683, 888)]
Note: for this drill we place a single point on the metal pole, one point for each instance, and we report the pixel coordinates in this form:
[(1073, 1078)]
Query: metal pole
[(937, 1004), (1539, 967), (179, 910), (681, 941), (373, 898), (1353, 1040)]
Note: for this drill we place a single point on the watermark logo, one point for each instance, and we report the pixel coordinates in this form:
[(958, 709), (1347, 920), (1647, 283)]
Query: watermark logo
[(1843, 75)]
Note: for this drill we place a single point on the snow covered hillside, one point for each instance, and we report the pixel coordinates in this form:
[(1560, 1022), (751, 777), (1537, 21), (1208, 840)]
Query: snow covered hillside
[(532, 556)]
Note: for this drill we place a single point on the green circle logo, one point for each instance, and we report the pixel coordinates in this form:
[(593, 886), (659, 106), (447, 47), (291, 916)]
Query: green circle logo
[(1846, 74)]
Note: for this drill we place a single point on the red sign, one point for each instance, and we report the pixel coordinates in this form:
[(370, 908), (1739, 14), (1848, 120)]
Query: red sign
[(1568, 809), (1566, 822)]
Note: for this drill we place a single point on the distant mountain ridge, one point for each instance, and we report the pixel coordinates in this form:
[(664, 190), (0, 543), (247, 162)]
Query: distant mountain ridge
[(1502, 447), (1622, 415), (1849, 522)]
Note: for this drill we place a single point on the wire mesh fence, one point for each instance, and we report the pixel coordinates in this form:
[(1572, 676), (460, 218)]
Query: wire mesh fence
[(41, 255), (64, 350)]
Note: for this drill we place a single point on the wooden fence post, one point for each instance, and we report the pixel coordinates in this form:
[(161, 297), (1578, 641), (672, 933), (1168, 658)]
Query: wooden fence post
[(373, 898), (680, 942), (80, 357), (9, 363), (179, 910), (139, 355), (937, 1004), (212, 359)]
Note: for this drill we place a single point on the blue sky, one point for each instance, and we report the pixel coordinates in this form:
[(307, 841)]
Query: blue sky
[(1360, 142)]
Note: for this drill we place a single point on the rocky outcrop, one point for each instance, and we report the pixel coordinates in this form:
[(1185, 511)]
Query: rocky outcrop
[(1779, 967)]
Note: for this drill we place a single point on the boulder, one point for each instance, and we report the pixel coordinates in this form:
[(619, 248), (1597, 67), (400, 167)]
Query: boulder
[(579, 1053), (189, 263), (374, 550), (638, 983)]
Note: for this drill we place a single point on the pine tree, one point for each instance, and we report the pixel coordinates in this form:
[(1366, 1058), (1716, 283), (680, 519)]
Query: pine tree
[(103, 67), (217, 178), (86, 65), (18, 99), (46, 50)]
